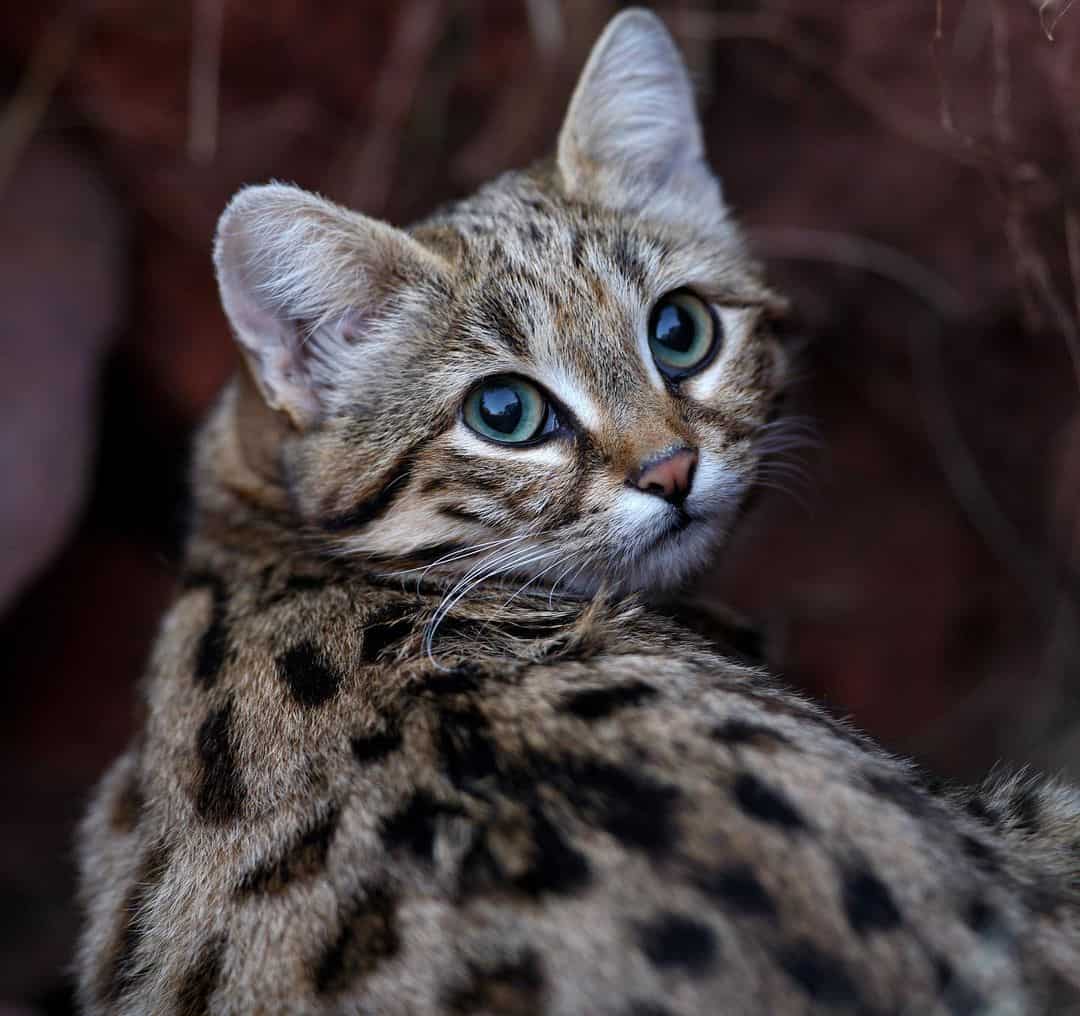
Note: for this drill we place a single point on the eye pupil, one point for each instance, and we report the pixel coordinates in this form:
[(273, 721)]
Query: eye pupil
[(675, 328), (501, 409)]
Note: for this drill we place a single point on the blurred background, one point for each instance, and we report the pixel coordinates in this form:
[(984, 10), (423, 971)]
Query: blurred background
[(909, 170)]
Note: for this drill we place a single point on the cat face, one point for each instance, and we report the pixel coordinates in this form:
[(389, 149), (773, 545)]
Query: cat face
[(560, 379)]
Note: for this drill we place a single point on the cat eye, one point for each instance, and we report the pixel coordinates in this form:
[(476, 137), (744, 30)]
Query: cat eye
[(510, 410), (682, 334)]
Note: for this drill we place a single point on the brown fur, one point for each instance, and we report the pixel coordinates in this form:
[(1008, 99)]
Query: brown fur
[(544, 803)]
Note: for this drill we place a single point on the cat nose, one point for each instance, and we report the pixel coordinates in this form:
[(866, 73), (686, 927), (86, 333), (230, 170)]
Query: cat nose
[(669, 475)]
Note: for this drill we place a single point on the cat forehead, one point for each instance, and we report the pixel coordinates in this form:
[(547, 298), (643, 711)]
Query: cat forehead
[(565, 288)]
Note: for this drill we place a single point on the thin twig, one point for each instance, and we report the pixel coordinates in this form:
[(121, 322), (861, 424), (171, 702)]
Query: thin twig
[(49, 62), (546, 26), (204, 81), (858, 87), (854, 251), (957, 460), (944, 92), (371, 171), (1050, 13), (1002, 97)]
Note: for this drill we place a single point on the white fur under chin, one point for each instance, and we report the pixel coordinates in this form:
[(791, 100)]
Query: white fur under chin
[(651, 555)]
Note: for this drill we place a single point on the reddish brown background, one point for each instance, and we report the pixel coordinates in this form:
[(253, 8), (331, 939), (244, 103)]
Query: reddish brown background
[(910, 170)]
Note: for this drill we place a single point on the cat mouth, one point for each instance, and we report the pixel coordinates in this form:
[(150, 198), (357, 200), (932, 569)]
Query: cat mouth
[(678, 522)]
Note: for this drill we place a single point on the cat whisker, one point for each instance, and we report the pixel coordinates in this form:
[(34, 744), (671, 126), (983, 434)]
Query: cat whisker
[(472, 579), (562, 575), (797, 496), (539, 575), (464, 555)]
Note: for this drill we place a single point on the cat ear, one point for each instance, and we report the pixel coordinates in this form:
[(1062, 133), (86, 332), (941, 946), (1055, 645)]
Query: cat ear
[(306, 286), (632, 134)]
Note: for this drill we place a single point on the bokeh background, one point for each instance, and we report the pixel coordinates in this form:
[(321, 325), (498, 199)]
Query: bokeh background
[(909, 169)]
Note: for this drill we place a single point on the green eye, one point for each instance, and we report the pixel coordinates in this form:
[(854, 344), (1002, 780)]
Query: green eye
[(509, 410), (682, 334)]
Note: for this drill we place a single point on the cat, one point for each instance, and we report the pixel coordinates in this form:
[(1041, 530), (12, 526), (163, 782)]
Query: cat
[(414, 742)]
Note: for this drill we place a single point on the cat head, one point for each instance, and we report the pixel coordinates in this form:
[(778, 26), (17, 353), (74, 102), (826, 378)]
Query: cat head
[(559, 379)]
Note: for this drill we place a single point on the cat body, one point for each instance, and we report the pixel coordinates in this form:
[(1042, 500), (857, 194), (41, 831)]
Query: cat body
[(413, 744)]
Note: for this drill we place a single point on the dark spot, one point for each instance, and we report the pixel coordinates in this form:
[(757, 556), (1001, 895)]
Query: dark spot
[(958, 996), (413, 826), (394, 482), (508, 989), (306, 583), (529, 856), (905, 795), (220, 794), (821, 976), (738, 888), (201, 980), (977, 808), (1025, 809), (980, 853), (596, 703), (127, 806), (213, 646), (372, 747), (631, 806), (368, 935), (868, 903), (121, 972), (456, 681), (766, 804), (639, 1008), (556, 866), (755, 735), (382, 632), (303, 859), (673, 940), (310, 679), (785, 705), (536, 235), (466, 748), (980, 916)]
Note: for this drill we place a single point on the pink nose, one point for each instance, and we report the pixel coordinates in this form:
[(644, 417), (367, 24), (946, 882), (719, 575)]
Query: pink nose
[(669, 476)]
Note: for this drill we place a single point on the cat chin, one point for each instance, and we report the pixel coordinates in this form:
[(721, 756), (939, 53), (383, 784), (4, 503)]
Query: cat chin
[(658, 567)]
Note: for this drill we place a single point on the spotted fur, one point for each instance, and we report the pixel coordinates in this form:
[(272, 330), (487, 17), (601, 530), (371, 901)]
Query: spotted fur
[(393, 765)]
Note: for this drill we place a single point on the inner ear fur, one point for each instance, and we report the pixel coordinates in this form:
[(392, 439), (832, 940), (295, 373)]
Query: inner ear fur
[(305, 283), (632, 137)]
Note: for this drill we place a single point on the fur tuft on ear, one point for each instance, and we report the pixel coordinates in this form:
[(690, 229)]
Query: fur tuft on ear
[(304, 283), (632, 137)]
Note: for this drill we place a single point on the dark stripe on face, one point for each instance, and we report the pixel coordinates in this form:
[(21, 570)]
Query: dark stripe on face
[(396, 480), (463, 476), (626, 259), (502, 313), (462, 515), (420, 555)]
